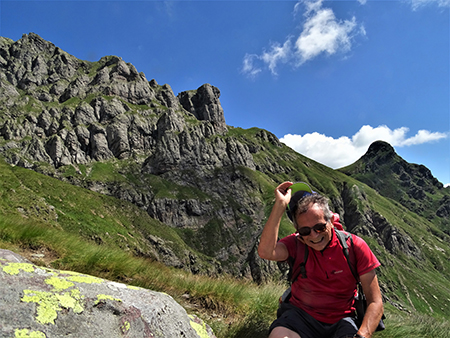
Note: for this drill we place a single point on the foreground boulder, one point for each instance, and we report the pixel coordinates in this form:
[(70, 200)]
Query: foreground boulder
[(41, 302)]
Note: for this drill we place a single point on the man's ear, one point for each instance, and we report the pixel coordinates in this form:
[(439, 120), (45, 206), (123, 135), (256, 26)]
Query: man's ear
[(333, 219)]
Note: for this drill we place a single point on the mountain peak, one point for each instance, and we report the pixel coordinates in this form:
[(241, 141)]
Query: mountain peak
[(384, 170), (380, 146), (381, 153)]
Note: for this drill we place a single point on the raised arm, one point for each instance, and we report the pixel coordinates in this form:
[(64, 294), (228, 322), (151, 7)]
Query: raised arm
[(369, 282), (269, 248)]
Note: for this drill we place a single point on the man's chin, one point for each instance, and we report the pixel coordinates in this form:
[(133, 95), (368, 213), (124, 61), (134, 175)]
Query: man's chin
[(318, 244)]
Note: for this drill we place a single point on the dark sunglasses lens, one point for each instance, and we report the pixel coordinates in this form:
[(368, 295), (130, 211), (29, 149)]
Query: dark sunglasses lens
[(320, 227), (306, 231)]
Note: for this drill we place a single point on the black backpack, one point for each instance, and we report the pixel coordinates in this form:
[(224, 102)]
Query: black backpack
[(360, 299)]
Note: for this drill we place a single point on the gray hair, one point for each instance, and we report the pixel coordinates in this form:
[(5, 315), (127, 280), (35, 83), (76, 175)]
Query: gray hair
[(306, 202)]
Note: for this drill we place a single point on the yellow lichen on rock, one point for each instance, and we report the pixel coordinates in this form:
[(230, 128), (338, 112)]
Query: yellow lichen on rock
[(71, 301), (85, 279), (106, 297), (125, 327), (57, 299), (14, 268), (199, 328), (25, 333), (59, 283), (48, 303)]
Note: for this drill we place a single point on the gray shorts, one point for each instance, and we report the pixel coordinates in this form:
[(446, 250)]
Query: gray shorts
[(297, 320)]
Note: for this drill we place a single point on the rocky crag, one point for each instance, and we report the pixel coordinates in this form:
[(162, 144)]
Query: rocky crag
[(41, 302), (60, 112), (410, 184), (103, 126)]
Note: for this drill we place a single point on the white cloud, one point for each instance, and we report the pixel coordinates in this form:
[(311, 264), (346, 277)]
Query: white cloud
[(317, 147), (277, 54), (249, 67), (312, 6), (322, 33), (348, 150), (297, 8), (416, 4), (423, 136)]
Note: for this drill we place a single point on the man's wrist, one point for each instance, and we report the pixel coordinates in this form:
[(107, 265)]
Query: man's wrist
[(357, 335)]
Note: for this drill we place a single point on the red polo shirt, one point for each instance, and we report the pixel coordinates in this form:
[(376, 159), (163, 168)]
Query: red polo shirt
[(327, 293)]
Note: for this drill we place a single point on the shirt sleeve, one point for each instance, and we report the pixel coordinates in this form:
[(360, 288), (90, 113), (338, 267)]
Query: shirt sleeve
[(366, 261), (290, 242)]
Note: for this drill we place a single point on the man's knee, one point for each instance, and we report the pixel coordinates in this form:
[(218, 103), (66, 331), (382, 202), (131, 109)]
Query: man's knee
[(282, 332)]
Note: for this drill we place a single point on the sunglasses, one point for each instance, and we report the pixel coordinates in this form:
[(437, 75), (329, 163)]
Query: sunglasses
[(306, 231)]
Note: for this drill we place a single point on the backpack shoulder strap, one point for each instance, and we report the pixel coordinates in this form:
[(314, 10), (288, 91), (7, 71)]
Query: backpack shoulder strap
[(342, 236), (300, 269)]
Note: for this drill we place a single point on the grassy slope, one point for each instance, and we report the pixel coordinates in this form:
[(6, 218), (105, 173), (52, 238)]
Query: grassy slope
[(41, 214), (389, 183)]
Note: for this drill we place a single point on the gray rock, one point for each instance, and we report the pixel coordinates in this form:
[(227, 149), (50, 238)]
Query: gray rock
[(117, 136), (42, 302), (444, 208), (85, 114), (99, 144), (107, 110), (57, 150), (106, 127), (204, 104), (361, 219)]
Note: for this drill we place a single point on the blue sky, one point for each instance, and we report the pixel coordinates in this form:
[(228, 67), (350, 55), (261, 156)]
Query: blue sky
[(326, 77)]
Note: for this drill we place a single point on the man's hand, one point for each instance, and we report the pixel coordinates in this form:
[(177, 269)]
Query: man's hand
[(268, 247), (283, 194)]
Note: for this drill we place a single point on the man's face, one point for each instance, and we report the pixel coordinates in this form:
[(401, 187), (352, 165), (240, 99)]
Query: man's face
[(315, 217)]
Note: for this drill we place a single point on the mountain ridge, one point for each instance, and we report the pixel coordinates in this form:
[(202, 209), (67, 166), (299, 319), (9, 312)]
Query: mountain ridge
[(103, 127), (412, 185)]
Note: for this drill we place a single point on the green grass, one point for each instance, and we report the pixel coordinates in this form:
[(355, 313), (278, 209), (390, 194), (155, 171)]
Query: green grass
[(400, 325), (91, 233), (232, 299), (241, 308)]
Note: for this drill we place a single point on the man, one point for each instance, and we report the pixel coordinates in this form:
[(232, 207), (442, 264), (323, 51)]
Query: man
[(321, 303)]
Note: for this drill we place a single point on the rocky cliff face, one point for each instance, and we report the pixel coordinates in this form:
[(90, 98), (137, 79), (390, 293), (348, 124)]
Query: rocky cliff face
[(412, 185), (59, 112), (105, 127), (42, 302), (76, 112), (361, 219)]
